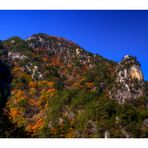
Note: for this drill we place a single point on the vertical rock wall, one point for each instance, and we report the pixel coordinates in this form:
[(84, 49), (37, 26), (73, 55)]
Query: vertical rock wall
[(129, 81)]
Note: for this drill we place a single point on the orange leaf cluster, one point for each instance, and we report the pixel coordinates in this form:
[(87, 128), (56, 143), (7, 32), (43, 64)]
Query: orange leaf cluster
[(51, 90), (33, 128), (33, 102), (53, 130), (55, 61), (14, 112), (89, 85), (32, 84)]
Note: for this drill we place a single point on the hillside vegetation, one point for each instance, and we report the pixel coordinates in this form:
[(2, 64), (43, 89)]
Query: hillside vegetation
[(53, 88)]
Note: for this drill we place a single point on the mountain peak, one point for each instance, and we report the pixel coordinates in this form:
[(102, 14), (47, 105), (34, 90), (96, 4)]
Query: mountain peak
[(38, 36), (133, 66), (129, 81), (128, 59)]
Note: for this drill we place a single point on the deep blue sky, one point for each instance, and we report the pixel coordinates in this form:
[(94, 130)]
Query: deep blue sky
[(111, 34)]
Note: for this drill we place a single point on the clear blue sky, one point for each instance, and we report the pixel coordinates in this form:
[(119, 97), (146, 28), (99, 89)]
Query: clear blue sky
[(111, 34)]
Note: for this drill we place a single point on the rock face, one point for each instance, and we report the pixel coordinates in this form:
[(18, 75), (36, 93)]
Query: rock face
[(129, 81), (135, 72)]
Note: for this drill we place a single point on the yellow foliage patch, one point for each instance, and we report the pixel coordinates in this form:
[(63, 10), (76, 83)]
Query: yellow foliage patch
[(14, 112), (32, 84), (89, 85), (51, 83), (19, 95), (16, 69), (70, 133)]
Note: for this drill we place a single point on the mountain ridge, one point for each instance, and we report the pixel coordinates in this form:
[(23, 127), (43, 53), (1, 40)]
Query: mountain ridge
[(58, 89)]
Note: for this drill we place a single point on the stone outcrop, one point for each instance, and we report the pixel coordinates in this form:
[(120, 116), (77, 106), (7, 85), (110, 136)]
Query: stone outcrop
[(129, 81), (135, 72)]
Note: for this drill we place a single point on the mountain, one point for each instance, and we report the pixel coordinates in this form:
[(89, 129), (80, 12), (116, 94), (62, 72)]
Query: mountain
[(52, 87)]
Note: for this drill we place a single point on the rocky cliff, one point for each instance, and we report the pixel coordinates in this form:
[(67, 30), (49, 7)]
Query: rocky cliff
[(129, 81)]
